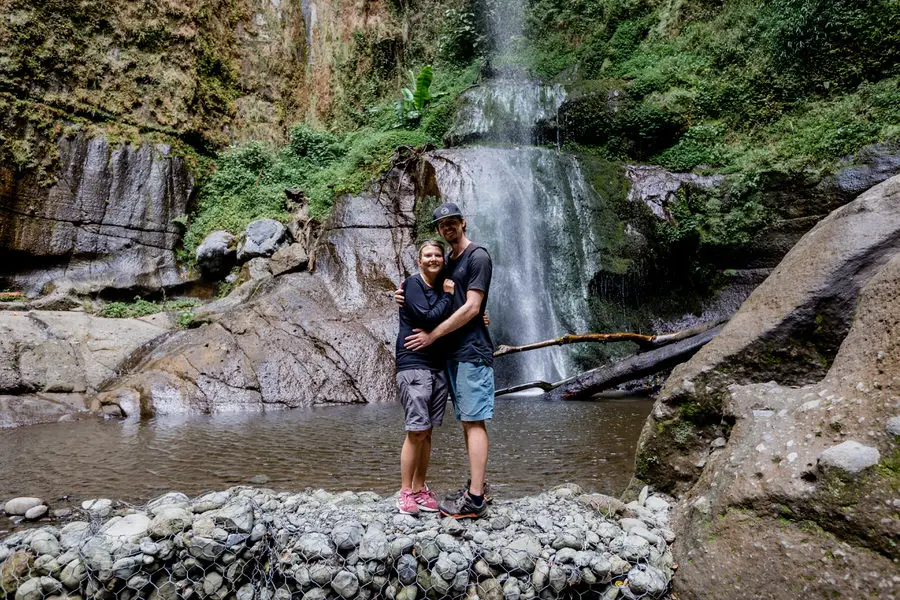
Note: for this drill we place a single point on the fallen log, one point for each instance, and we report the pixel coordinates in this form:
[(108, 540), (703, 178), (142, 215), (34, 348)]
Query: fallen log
[(644, 341), (628, 369)]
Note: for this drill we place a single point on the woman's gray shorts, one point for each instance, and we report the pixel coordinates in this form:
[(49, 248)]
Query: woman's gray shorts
[(423, 393)]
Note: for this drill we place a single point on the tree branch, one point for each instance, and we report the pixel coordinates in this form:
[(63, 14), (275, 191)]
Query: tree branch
[(644, 341)]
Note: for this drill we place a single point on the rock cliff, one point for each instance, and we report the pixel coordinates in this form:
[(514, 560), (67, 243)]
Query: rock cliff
[(778, 435), (298, 339), (107, 223)]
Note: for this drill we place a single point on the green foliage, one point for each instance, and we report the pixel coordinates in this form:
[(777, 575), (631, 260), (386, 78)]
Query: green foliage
[(141, 308), (461, 38), (414, 101), (700, 145)]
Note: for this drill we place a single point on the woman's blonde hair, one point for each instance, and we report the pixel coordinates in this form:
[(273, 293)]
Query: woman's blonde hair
[(428, 243)]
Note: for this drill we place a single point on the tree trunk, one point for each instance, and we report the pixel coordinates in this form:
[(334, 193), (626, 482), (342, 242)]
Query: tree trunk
[(628, 369)]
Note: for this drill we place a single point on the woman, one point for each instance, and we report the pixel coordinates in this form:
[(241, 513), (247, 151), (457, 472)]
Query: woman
[(421, 376)]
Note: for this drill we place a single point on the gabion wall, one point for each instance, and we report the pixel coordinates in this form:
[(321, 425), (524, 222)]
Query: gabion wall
[(246, 544)]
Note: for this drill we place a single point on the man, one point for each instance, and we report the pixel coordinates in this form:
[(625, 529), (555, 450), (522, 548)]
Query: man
[(470, 353)]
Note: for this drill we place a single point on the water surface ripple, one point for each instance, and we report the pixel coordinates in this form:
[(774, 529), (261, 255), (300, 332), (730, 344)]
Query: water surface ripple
[(534, 445)]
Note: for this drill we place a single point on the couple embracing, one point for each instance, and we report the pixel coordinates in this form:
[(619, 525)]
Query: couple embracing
[(444, 349)]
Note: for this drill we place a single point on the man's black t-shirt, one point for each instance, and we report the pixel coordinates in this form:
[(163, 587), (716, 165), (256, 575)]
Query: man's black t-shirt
[(471, 270), (424, 308)]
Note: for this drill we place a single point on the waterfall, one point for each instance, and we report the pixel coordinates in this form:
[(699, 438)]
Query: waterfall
[(528, 205)]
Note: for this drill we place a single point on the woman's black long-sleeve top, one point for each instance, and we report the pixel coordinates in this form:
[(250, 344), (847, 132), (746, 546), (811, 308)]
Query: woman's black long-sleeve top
[(424, 308)]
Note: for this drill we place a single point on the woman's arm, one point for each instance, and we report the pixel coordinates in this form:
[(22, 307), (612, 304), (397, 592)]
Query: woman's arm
[(422, 314)]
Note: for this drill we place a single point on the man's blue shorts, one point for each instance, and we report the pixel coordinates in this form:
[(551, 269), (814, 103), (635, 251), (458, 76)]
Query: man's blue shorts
[(472, 390)]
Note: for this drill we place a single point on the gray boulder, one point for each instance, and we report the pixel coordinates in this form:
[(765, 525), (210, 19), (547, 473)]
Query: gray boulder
[(216, 254), (260, 239)]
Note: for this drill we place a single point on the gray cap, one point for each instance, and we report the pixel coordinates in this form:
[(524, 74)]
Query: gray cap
[(447, 209)]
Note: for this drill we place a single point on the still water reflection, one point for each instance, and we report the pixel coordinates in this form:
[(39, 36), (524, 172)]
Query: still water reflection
[(534, 445)]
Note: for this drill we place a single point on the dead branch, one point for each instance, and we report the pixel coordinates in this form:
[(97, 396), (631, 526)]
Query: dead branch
[(644, 341)]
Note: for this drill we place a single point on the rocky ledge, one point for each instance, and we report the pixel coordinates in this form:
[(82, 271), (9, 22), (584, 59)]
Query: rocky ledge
[(249, 543)]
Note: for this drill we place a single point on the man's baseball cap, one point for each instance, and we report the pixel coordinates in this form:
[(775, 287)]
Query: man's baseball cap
[(447, 209)]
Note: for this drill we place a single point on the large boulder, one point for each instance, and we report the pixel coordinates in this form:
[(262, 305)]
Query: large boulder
[(107, 223), (777, 435), (53, 362), (216, 254), (261, 238), (301, 338)]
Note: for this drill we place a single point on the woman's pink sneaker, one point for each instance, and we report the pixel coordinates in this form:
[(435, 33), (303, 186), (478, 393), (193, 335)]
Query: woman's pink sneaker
[(427, 500), (406, 502)]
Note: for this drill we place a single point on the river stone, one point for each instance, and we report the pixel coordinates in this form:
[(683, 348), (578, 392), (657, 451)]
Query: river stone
[(407, 567), (428, 549), (246, 592), (452, 526), (315, 594), (236, 516), (44, 542), (99, 507), (490, 589), (409, 592), (211, 582), (138, 582), (447, 543), (14, 569), (645, 579), (568, 540), (211, 501), (131, 527), (315, 546), (347, 535), (345, 584), (73, 574), (401, 545), (850, 456), (167, 500), (260, 239), (520, 555), (19, 506), (321, 574), (4, 552), (656, 504), (374, 545), (205, 548), (170, 520), (35, 513), (38, 588), (216, 253), (893, 426), (47, 565), (126, 567)]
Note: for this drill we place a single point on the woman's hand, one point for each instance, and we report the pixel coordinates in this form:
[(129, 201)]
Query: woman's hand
[(449, 285)]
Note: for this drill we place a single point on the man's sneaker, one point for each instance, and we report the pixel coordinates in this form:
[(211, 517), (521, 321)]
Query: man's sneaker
[(427, 500), (463, 507), (406, 502), (485, 491)]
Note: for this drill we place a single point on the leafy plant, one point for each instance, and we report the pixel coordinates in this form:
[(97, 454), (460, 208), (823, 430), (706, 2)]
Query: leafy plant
[(412, 105)]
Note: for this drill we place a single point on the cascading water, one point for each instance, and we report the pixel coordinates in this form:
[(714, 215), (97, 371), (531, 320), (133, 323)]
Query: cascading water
[(530, 206)]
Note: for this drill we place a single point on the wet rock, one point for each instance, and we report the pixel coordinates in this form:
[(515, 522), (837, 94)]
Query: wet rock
[(289, 259), (107, 223), (260, 239), (850, 456), (169, 520), (20, 506), (216, 254)]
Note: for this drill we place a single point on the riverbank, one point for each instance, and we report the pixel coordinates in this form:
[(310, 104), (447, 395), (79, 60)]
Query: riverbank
[(248, 543)]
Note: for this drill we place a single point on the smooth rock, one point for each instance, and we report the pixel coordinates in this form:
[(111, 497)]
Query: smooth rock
[(893, 426), (289, 259), (20, 506), (35, 513), (850, 456)]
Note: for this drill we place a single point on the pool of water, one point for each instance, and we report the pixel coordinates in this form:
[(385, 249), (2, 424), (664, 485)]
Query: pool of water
[(534, 445)]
